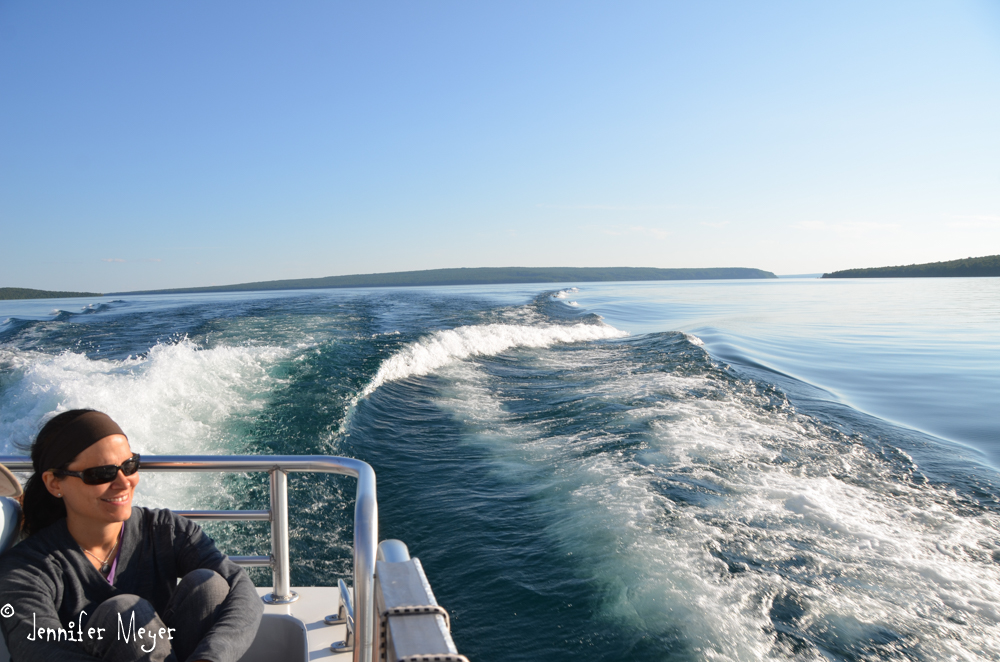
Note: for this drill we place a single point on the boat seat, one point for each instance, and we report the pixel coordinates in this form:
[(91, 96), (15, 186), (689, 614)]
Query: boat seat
[(10, 510), (10, 525), (280, 637), (10, 522)]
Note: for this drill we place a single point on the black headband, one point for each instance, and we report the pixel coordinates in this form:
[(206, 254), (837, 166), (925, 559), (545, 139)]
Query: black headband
[(75, 437)]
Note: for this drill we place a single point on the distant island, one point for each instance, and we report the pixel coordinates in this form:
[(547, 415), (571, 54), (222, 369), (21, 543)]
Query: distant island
[(481, 276), (25, 293), (969, 267)]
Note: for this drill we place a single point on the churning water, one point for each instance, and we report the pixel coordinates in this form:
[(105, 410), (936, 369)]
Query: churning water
[(744, 470)]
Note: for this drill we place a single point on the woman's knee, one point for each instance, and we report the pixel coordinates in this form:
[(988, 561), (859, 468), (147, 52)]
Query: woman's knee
[(126, 605), (129, 629), (207, 585), (198, 595), (201, 576)]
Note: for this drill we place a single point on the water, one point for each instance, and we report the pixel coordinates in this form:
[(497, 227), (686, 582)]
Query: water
[(740, 470)]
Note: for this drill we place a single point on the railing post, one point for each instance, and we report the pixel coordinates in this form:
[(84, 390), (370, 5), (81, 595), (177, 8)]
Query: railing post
[(365, 549), (281, 567)]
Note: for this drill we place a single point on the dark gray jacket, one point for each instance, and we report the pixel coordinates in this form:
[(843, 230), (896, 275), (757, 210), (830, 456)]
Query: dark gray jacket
[(47, 581)]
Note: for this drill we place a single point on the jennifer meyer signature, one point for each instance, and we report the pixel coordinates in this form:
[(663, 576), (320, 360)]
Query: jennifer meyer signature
[(126, 634)]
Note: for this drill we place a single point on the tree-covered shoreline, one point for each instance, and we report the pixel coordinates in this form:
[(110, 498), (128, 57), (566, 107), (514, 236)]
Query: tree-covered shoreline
[(10, 293), (969, 267)]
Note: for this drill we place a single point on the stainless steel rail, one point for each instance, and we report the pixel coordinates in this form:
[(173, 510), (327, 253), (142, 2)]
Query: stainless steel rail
[(227, 515), (278, 466)]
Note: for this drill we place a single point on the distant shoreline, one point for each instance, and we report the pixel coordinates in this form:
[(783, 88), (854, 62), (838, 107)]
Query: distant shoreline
[(970, 267), (16, 293), (988, 266), (479, 276)]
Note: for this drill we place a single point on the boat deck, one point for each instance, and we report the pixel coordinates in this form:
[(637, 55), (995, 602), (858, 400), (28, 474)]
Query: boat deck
[(297, 631)]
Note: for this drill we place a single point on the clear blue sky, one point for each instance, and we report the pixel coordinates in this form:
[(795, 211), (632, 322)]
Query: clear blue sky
[(172, 144)]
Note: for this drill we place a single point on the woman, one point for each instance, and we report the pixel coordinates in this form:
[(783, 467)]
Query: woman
[(96, 578)]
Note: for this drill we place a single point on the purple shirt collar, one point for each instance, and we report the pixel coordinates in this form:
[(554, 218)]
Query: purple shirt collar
[(114, 564)]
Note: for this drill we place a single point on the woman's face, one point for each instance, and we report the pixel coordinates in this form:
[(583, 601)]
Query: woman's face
[(100, 504)]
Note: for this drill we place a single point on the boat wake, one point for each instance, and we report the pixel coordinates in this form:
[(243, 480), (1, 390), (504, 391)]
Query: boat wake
[(176, 399), (717, 519), (441, 348)]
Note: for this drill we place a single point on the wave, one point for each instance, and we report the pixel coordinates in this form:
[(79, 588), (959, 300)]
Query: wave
[(13, 324), (444, 347), (448, 346), (694, 340), (94, 308), (60, 315), (177, 398)]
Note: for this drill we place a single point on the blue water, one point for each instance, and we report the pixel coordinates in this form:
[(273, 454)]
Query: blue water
[(728, 470)]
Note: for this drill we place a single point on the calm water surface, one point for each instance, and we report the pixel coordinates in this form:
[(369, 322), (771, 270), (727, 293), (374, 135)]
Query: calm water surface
[(921, 352)]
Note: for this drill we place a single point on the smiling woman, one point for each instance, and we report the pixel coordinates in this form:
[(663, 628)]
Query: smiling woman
[(88, 551), (94, 509)]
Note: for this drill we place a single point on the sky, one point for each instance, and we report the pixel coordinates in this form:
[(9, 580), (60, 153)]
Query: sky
[(178, 144)]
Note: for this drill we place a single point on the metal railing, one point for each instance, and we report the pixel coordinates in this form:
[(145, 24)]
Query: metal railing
[(278, 466)]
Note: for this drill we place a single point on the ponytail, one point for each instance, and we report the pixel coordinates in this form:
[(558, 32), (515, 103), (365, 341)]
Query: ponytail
[(40, 507)]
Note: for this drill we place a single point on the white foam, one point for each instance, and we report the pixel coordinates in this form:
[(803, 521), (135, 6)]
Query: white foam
[(443, 347), (175, 400), (564, 293), (694, 340)]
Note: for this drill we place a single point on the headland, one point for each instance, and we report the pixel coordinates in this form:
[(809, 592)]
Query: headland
[(967, 268)]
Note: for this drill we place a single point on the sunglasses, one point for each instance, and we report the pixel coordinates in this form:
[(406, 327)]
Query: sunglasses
[(103, 474)]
